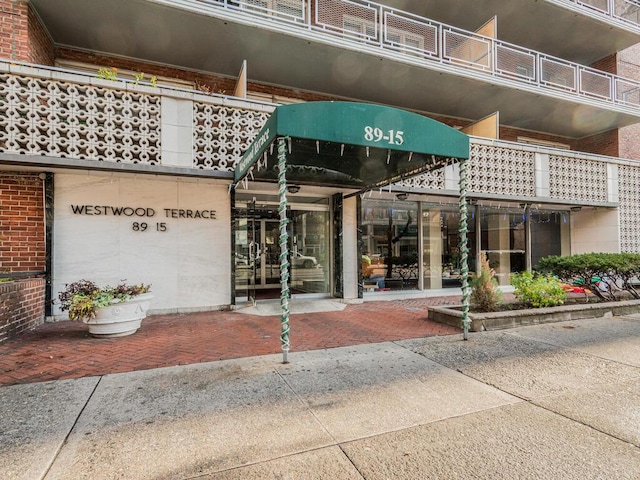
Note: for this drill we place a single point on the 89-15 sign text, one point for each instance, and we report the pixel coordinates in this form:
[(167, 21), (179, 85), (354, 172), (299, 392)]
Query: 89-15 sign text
[(375, 134)]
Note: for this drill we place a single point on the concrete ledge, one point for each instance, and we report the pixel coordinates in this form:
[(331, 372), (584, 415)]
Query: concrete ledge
[(451, 315)]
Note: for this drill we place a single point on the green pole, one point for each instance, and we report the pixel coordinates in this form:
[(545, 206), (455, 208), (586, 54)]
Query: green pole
[(464, 250), (284, 249)]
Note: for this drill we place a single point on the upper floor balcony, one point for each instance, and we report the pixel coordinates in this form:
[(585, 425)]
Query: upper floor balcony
[(582, 31), (52, 120), (355, 49)]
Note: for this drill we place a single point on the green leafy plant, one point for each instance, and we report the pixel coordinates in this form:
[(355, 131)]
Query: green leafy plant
[(538, 290), (137, 77), (485, 295), (82, 298), (112, 74), (108, 73)]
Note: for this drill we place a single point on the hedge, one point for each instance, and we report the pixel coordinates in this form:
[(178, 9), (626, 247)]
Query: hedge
[(602, 273)]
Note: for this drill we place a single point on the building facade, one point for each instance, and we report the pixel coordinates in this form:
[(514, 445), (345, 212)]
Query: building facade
[(123, 121)]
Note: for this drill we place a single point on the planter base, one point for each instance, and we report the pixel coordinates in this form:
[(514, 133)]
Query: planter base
[(120, 319), (532, 316)]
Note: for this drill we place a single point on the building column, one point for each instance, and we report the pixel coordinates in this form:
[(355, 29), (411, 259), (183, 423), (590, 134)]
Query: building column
[(498, 250), (350, 260), (432, 248)]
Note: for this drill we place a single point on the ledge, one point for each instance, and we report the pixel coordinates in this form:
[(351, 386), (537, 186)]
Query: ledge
[(533, 316)]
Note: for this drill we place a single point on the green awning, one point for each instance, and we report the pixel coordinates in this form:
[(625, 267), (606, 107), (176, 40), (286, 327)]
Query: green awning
[(352, 145)]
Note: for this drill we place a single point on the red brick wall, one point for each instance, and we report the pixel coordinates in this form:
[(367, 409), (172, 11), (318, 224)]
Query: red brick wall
[(21, 306), (41, 48), (607, 64), (629, 67), (22, 36), (629, 62), (22, 232), (602, 144)]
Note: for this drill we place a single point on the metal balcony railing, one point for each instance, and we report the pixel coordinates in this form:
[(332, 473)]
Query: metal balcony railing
[(627, 11), (425, 41)]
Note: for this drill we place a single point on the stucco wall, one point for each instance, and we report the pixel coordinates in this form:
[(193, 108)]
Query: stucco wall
[(595, 230)]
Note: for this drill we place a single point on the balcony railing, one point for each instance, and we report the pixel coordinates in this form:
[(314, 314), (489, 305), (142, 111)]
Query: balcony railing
[(627, 11), (424, 41)]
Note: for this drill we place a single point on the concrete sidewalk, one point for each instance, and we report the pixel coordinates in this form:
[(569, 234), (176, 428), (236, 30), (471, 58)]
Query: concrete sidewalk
[(556, 401)]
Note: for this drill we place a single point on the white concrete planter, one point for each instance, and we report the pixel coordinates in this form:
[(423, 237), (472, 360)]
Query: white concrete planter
[(452, 315), (120, 319)]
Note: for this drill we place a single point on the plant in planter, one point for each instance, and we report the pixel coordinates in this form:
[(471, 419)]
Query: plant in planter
[(109, 311), (537, 290), (485, 295)]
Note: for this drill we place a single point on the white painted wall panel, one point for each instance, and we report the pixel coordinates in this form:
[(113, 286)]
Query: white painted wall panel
[(188, 265)]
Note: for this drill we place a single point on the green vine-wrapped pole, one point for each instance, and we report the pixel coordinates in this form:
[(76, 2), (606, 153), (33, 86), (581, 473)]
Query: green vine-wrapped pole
[(284, 249), (464, 249)]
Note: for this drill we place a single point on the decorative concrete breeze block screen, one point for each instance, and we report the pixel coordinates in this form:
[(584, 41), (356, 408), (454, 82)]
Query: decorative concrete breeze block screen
[(69, 120), (222, 134), (577, 179), (629, 198), (500, 170)]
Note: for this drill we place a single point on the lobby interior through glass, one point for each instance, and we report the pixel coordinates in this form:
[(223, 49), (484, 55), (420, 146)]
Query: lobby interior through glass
[(413, 245), (404, 245), (256, 256)]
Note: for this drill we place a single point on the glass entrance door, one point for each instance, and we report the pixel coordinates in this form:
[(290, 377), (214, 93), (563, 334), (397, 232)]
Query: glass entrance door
[(257, 252), (309, 251), (246, 249)]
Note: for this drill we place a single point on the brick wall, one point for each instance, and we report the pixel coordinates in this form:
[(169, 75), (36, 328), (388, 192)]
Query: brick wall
[(629, 62), (607, 64), (602, 144), (21, 306), (22, 232), (41, 50), (629, 67), (22, 36)]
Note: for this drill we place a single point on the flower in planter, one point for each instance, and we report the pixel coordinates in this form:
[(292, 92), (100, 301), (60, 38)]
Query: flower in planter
[(82, 298)]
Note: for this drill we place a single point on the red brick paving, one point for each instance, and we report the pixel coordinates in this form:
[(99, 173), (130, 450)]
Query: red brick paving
[(64, 350)]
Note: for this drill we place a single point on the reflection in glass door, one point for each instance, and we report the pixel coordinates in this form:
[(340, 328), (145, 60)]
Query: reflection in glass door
[(245, 255), (309, 251), (257, 253)]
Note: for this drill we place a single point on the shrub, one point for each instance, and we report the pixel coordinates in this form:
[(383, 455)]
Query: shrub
[(538, 290), (588, 269), (485, 295)]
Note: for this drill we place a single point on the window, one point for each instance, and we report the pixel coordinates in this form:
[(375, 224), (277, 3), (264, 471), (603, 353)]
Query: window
[(361, 27), (405, 41), (290, 9), (544, 143)]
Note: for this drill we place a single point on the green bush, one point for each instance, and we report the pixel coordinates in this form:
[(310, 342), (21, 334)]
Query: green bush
[(588, 269), (485, 295), (538, 290)]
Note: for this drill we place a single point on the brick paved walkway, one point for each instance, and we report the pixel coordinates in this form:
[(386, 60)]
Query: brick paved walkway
[(65, 350)]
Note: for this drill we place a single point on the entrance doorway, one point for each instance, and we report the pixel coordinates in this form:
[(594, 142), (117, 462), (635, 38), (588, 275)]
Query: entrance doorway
[(257, 251)]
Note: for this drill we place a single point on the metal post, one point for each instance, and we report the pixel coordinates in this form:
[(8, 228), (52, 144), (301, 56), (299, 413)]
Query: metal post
[(284, 249), (464, 250), (527, 238)]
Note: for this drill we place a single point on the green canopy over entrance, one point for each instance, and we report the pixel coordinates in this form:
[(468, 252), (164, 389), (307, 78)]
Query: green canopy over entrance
[(355, 146), (351, 145)]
